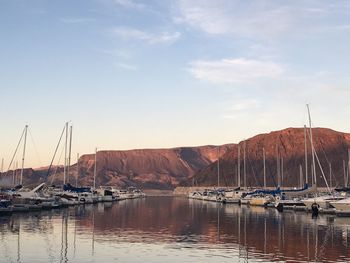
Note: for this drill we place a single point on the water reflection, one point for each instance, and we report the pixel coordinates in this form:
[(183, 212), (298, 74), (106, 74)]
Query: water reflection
[(173, 229)]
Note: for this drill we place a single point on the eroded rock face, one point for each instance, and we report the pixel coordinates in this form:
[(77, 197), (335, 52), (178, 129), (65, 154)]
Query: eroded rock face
[(168, 168), (331, 147), (146, 168)]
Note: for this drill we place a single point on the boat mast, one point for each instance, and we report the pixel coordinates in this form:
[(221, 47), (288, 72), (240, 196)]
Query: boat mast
[(306, 167), (312, 147), (264, 157), (95, 168), (347, 180), (218, 153), (2, 165), (76, 178), (300, 176), (244, 165), (24, 153), (14, 174), (239, 167), (65, 156), (278, 167), (70, 151), (282, 175), (344, 170), (330, 174)]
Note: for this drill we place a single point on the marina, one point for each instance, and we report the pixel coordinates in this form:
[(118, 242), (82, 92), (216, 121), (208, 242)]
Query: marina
[(178, 131), (158, 229)]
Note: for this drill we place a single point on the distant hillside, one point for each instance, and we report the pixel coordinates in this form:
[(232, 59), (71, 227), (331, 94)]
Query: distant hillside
[(331, 147), (146, 168), (168, 168)]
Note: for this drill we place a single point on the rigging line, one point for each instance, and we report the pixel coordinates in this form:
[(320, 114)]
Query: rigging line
[(14, 155), (34, 145), (54, 155), (57, 166), (325, 156), (251, 166), (272, 176), (319, 164)]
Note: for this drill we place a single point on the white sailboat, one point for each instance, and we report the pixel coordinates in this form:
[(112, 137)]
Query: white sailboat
[(323, 201)]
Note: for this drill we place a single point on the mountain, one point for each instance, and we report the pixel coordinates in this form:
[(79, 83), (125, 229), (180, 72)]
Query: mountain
[(185, 166), (146, 168), (331, 148)]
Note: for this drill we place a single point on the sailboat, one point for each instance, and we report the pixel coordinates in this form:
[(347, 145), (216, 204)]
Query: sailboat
[(321, 201), (66, 195)]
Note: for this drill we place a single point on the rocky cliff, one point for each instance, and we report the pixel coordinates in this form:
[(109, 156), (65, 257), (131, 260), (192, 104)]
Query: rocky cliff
[(187, 166), (146, 168), (285, 153)]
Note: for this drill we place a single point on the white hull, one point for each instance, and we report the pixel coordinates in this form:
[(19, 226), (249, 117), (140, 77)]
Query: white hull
[(342, 205), (324, 202)]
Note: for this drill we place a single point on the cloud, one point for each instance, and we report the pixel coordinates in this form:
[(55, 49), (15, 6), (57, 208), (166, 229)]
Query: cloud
[(260, 19), (75, 20), (233, 17), (126, 66), (120, 53), (241, 107), (238, 70), (129, 34), (129, 4)]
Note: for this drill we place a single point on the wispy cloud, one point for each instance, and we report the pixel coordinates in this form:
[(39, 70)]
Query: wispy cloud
[(130, 4), (129, 34), (126, 66), (240, 107), (238, 70), (233, 17), (257, 19), (120, 53), (76, 20)]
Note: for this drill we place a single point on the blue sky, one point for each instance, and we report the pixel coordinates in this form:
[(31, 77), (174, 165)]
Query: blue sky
[(153, 74)]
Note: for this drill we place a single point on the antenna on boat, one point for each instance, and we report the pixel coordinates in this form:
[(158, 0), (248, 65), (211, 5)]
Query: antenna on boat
[(24, 153)]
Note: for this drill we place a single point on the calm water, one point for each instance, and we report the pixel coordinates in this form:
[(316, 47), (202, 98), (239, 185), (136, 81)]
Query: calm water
[(172, 229)]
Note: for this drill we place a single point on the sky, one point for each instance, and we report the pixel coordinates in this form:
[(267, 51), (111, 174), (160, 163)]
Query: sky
[(164, 73)]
